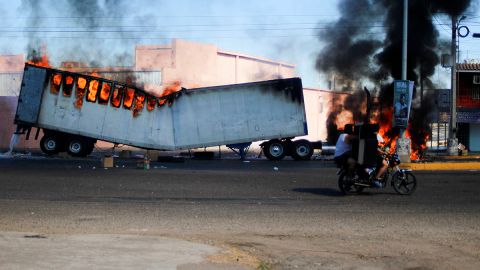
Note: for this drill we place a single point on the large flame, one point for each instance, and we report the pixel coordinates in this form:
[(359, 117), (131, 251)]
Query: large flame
[(390, 136)]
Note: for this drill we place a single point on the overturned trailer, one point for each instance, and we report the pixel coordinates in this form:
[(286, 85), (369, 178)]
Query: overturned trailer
[(75, 110)]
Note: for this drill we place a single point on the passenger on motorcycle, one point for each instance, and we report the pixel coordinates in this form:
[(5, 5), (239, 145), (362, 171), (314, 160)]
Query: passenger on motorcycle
[(343, 149), (382, 162)]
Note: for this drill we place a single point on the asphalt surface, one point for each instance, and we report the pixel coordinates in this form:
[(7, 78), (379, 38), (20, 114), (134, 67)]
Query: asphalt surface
[(279, 215)]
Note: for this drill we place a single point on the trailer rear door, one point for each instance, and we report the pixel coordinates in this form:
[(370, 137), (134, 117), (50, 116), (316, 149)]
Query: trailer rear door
[(30, 99)]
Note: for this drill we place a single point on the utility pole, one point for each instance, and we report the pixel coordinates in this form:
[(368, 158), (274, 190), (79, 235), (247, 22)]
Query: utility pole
[(405, 39), (452, 139), (403, 143)]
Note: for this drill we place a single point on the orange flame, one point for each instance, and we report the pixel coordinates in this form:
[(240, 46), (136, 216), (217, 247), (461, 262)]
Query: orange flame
[(67, 87), (169, 89), (139, 102), (92, 90), (390, 137), (41, 61), (151, 103), (104, 93), (128, 100), (117, 95), (80, 91), (55, 83)]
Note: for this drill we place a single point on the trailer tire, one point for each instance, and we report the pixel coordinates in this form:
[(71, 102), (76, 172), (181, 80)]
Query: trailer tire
[(302, 150), (275, 149), (77, 147), (50, 144)]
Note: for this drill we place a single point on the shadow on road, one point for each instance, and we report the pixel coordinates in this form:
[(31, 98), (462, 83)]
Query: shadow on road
[(320, 191), (330, 192)]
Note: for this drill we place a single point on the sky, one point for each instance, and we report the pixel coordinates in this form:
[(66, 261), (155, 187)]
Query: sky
[(281, 30)]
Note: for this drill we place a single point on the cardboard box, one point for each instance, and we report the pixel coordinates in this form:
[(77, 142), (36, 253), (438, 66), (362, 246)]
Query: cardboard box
[(107, 162)]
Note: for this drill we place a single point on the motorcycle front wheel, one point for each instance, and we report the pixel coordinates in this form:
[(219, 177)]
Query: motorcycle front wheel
[(404, 183), (347, 185)]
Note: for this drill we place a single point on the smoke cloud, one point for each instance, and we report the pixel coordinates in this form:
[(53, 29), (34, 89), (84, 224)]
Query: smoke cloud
[(365, 46), (366, 42), (91, 31)]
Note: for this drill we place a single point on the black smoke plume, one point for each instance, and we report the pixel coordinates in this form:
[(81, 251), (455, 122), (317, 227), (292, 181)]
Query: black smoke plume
[(86, 19), (365, 45)]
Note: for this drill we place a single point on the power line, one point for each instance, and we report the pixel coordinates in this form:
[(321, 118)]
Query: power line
[(173, 37), (179, 30), (171, 16)]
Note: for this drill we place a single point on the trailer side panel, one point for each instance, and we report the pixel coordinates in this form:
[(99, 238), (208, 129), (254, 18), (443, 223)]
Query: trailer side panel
[(240, 113)]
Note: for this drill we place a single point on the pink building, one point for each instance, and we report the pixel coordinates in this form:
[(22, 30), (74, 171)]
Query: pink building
[(196, 64), (189, 63)]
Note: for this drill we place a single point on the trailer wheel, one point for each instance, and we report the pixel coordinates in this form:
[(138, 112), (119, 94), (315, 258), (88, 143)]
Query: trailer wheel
[(50, 144), (274, 150), (302, 150), (77, 147)]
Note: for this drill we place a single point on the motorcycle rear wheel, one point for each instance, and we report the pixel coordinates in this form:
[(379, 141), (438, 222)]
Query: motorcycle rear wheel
[(347, 185), (404, 183)]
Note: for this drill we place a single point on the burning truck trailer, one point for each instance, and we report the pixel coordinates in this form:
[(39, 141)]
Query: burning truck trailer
[(75, 110)]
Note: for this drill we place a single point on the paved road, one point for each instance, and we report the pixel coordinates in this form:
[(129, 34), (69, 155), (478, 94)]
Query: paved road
[(279, 214)]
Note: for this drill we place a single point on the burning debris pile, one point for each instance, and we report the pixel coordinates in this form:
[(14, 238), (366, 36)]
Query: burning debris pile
[(357, 51)]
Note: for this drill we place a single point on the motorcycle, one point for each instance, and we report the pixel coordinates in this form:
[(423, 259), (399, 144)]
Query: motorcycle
[(402, 180)]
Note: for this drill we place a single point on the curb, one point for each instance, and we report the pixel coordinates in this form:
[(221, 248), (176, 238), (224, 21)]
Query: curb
[(442, 166)]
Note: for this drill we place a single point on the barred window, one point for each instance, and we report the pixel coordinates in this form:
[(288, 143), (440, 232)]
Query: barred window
[(476, 79), (476, 92)]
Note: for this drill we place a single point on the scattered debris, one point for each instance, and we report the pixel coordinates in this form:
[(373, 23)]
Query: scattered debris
[(37, 236)]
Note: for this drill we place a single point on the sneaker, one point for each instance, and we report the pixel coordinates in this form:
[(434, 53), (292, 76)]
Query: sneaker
[(377, 184)]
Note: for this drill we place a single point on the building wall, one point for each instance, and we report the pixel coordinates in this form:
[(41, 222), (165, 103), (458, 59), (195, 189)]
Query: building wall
[(10, 84), (8, 107), (12, 63), (318, 105), (197, 65), (153, 57), (11, 71)]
